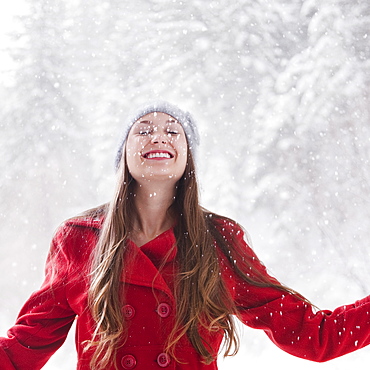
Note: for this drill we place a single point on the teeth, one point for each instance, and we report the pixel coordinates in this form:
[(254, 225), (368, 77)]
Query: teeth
[(158, 155)]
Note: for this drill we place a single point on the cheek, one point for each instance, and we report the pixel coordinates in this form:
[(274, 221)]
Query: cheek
[(180, 144), (134, 147), (133, 154), (183, 153), (183, 150)]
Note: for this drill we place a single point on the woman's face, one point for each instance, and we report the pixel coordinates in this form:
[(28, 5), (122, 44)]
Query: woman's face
[(156, 148)]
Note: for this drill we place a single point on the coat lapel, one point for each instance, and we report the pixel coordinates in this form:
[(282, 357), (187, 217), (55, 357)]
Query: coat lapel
[(141, 266), (141, 270)]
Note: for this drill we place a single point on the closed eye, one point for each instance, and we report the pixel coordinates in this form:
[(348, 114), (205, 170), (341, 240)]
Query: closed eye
[(144, 132), (172, 132)]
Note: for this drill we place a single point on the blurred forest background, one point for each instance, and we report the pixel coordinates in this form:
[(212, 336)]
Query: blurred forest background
[(280, 90)]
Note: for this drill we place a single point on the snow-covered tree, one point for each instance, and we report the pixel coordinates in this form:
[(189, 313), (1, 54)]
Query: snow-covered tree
[(311, 151), (44, 151)]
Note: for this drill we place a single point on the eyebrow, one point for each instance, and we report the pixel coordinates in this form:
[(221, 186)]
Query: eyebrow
[(171, 120), (144, 121)]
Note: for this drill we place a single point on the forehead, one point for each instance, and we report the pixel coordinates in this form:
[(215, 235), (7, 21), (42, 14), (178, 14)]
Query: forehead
[(157, 117)]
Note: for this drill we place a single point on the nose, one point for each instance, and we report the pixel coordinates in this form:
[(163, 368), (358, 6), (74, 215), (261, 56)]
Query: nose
[(158, 137)]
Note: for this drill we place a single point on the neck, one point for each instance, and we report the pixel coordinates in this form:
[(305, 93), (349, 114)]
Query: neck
[(153, 210)]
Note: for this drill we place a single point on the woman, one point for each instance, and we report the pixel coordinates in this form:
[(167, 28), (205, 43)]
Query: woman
[(154, 279)]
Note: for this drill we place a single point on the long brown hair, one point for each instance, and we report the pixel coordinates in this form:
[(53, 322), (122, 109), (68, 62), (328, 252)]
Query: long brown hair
[(202, 300)]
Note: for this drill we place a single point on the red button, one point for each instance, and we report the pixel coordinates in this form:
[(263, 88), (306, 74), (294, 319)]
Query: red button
[(163, 309), (163, 360), (128, 311), (128, 362)]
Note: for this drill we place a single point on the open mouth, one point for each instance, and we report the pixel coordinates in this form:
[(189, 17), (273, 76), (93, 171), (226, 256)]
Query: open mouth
[(152, 155)]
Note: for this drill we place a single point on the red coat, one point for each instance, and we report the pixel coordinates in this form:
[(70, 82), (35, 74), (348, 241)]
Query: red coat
[(45, 319)]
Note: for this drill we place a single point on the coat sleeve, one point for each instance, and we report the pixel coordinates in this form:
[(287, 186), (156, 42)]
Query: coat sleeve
[(294, 325), (45, 319)]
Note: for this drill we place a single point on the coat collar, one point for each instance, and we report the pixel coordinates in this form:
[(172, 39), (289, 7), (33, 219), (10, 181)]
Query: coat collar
[(95, 223), (141, 266)]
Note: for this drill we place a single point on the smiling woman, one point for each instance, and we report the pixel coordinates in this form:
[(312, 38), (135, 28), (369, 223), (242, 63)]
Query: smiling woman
[(155, 280)]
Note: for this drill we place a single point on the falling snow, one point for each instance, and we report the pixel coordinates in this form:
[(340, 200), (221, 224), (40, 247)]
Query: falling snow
[(280, 92)]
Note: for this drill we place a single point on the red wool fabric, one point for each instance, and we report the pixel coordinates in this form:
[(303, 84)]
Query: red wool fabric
[(47, 316)]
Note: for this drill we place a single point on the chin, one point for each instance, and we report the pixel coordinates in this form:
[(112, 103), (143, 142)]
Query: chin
[(169, 177)]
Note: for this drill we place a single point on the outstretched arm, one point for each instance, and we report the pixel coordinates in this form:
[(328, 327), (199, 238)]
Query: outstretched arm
[(44, 320), (292, 323)]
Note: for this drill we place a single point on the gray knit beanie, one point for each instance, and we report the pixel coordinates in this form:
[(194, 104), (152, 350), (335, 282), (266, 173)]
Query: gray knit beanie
[(186, 120)]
